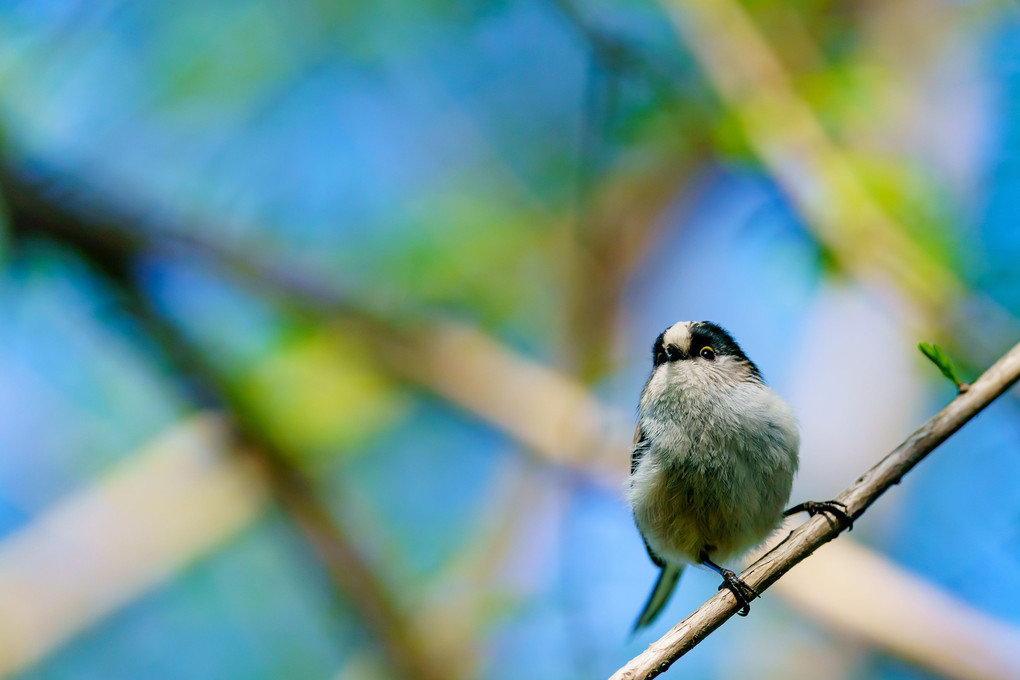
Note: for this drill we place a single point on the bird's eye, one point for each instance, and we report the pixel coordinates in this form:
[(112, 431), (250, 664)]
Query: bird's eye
[(707, 353), (671, 353)]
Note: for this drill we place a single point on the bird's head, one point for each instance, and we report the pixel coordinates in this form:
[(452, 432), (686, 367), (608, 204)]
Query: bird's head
[(702, 351)]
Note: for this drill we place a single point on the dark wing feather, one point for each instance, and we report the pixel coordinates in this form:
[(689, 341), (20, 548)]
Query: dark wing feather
[(669, 574), (640, 447)]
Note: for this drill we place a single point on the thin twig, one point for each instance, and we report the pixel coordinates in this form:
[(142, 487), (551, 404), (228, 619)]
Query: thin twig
[(819, 530)]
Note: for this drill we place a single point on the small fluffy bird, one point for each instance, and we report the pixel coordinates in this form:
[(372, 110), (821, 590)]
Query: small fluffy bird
[(714, 457)]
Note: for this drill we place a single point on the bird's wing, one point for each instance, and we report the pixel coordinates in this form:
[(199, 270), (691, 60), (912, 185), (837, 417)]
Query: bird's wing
[(656, 560), (669, 574), (641, 444)]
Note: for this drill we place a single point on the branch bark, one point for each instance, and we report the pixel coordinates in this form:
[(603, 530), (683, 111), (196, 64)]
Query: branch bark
[(820, 529)]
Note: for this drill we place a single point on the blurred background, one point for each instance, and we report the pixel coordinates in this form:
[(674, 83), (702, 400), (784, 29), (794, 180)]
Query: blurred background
[(323, 326)]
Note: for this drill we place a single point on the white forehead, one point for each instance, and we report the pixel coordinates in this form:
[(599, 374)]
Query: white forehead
[(679, 335)]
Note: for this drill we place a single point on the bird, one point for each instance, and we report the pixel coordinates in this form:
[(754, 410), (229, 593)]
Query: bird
[(714, 457)]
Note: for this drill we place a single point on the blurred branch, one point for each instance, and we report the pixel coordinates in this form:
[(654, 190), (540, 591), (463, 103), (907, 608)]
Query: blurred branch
[(551, 414), (881, 603), (822, 183), (618, 228), (405, 648), (821, 529), (111, 251), (113, 236), (461, 598), (817, 175), (561, 421), (174, 500), (617, 219), (329, 541), (790, 140)]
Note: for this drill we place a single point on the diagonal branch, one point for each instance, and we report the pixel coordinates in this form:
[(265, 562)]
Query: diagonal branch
[(819, 530)]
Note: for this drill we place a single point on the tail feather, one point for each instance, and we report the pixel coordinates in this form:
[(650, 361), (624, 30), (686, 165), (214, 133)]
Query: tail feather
[(668, 578)]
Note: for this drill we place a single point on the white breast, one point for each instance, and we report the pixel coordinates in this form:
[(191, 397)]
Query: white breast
[(718, 468)]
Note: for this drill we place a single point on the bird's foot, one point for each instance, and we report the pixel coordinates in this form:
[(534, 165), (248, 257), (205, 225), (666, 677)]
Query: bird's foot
[(835, 508), (743, 592)]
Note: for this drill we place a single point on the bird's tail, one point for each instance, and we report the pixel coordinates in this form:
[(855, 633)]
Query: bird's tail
[(668, 578)]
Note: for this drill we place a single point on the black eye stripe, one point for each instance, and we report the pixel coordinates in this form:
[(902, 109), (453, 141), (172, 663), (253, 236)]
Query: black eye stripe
[(704, 334), (659, 350), (719, 341), (707, 334)]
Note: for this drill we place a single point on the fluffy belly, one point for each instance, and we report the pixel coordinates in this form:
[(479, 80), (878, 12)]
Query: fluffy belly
[(702, 513)]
